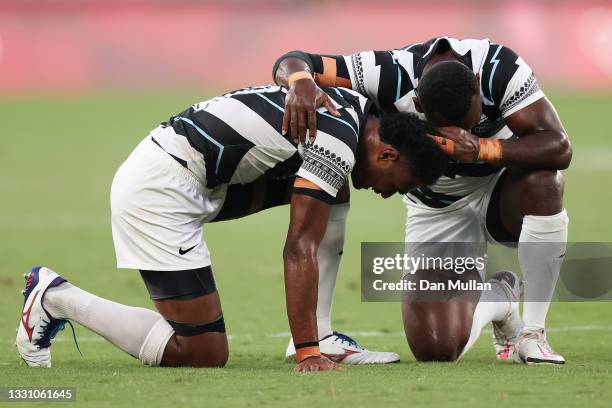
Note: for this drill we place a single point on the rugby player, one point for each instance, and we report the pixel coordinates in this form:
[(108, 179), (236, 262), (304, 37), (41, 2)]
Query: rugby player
[(502, 185), (220, 159)]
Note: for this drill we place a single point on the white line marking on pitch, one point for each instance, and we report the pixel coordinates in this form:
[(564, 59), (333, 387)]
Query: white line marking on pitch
[(585, 328)]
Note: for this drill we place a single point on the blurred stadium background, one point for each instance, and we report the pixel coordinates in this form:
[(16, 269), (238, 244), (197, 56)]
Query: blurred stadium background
[(80, 45), (82, 81)]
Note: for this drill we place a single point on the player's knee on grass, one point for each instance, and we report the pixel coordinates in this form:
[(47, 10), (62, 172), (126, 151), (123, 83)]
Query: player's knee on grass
[(190, 303), (437, 331), (207, 349)]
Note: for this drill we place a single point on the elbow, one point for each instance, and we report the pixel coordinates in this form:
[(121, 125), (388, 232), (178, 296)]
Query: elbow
[(564, 152)]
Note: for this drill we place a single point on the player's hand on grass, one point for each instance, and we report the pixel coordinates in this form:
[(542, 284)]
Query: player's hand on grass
[(317, 363), (459, 143), (301, 102)]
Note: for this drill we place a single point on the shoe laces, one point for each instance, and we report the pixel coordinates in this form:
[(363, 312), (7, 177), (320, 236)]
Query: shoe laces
[(347, 339), (539, 335), (49, 330)]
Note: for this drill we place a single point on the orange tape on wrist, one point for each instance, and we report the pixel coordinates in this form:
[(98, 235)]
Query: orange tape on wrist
[(303, 353), (490, 150), (297, 76)]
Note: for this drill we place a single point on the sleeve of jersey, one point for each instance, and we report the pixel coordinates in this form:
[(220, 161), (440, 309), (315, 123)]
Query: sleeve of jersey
[(328, 162), (378, 76), (513, 82)]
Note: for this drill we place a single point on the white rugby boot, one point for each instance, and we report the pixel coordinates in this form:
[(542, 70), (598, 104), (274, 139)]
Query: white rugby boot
[(342, 349), (36, 327), (532, 348), (506, 331)]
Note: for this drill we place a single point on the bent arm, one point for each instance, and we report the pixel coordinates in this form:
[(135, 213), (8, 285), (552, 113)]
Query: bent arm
[(542, 140)]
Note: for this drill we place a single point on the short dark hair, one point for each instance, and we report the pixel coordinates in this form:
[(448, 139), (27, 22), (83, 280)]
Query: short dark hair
[(447, 88), (409, 135)]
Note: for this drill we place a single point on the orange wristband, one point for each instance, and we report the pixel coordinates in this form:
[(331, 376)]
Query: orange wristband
[(303, 353), (490, 150), (297, 76)]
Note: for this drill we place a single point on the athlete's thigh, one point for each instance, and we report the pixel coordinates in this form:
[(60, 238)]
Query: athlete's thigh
[(521, 192)]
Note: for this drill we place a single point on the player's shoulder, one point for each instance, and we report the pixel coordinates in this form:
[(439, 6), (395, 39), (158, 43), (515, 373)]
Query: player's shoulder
[(506, 79)]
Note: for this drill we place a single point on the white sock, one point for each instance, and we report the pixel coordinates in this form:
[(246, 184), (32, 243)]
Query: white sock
[(541, 263), (140, 332), (493, 306), (328, 256)]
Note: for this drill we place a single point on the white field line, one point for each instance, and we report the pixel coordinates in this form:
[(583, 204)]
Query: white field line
[(358, 334)]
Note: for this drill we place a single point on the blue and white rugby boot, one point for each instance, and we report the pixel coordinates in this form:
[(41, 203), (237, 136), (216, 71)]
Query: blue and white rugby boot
[(36, 327), (342, 349)]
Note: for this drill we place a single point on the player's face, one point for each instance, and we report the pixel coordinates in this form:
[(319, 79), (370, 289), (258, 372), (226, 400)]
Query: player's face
[(381, 168)]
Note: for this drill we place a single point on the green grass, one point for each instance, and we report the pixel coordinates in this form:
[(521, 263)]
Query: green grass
[(57, 160)]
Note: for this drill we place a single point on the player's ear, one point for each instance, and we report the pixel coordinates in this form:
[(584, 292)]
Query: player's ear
[(388, 154), (417, 104)]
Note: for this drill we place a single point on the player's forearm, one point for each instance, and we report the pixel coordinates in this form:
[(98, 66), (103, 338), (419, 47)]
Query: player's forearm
[(301, 281), (550, 150), (288, 66)]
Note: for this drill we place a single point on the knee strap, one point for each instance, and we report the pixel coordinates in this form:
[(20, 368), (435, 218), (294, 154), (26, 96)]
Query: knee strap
[(193, 329)]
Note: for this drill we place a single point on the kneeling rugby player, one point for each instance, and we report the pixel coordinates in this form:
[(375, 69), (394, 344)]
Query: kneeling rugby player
[(220, 159)]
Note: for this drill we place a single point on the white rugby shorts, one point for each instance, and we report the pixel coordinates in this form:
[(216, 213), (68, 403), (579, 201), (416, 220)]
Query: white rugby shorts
[(461, 222), (159, 209)]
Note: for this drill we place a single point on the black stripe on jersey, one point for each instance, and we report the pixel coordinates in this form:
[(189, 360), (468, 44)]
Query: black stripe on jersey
[(433, 199), (454, 169), (388, 80), (342, 128), (264, 109), (222, 147), (497, 71), (354, 101), (286, 168)]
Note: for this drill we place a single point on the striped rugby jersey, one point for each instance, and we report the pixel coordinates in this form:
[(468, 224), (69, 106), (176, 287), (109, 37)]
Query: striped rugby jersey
[(389, 78), (236, 138)]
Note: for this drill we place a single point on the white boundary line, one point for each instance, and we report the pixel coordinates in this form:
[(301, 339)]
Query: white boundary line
[(562, 329)]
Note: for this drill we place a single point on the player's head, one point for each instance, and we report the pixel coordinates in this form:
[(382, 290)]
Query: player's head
[(396, 155), (449, 95)]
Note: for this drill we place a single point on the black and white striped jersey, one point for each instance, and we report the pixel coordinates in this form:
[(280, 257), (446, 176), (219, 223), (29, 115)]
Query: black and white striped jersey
[(389, 78), (236, 138)]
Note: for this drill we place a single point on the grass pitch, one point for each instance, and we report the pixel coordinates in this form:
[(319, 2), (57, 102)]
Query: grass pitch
[(57, 160)]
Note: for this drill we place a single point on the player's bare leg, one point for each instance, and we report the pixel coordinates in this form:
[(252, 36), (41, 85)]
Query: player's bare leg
[(189, 332), (444, 330), (537, 216), (194, 347), (437, 331)]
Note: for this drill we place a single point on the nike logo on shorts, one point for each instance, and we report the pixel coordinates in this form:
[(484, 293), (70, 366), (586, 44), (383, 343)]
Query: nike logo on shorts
[(184, 251)]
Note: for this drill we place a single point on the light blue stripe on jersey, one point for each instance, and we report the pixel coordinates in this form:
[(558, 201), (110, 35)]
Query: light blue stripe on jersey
[(495, 62), (399, 76), (340, 120), (271, 102), (207, 136)]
